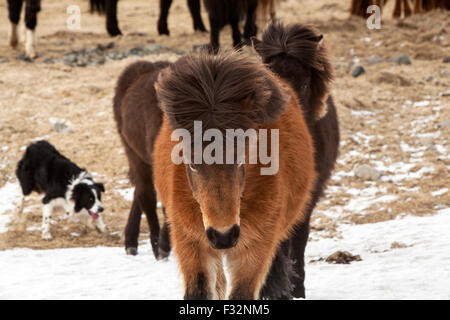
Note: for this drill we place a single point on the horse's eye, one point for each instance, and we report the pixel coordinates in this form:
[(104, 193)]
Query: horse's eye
[(191, 166), (91, 199)]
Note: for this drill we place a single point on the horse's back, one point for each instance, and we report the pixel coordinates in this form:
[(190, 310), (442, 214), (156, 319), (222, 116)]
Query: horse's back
[(136, 110)]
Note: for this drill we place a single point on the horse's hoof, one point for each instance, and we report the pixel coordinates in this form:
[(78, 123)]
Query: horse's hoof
[(131, 251), (163, 255), (163, 29), (114, 32), (47, 236)]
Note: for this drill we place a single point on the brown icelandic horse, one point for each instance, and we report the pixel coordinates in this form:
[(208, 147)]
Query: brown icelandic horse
[(138, 120), (230, 210), (297, 54)]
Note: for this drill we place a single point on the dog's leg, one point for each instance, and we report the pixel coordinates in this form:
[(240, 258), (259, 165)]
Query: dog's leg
[(100, 225), (47, 212)]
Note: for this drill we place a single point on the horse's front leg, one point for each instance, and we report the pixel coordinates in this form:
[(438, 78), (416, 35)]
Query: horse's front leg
[(249, 269), (198, 265)]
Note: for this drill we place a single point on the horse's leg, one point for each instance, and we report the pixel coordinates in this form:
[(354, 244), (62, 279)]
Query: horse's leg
[(199, 267), (273, 10), (214, 24), (299, 240), (250, 28), (164, 7), (234, 22), (397, 9), (32, 8), (249, 269), (407, 8), (148, 202), (417, 6), (164, 238), (195, 9), (14, 9), (112, 25), (132, 227)]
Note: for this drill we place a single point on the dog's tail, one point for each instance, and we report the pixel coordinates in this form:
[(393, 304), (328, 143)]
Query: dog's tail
[(98, 6), (305, 45)]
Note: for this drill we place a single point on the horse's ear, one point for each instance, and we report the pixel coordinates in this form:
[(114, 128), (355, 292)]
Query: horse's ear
[(321, 78), (267, 103)]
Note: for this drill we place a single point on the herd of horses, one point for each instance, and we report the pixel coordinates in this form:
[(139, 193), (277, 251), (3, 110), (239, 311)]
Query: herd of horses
[(359, 7), (217, 213), (260, 223), (257, 13)]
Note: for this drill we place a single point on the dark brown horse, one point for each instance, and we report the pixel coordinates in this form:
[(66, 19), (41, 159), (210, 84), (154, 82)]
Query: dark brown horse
[(109, 7), (229, 209), (297, 54), (136, 112)]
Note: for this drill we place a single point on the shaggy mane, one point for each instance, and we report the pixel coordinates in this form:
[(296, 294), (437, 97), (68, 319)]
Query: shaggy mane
[(304, 44), (225, 91)]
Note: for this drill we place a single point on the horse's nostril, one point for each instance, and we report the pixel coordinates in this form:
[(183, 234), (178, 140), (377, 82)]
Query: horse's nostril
[(101, 209), (223, 240)]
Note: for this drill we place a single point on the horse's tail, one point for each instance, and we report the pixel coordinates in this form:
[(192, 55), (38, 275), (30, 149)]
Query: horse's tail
[(98, 6), (305, 45)]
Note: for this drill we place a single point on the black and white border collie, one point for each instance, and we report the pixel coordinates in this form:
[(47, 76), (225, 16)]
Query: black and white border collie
[(44, 170)]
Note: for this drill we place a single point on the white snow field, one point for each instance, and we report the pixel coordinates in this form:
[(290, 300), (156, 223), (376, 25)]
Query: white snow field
[(420, 270)]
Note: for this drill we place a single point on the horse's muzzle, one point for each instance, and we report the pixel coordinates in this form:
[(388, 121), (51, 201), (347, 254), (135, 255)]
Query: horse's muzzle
[(223, 240)]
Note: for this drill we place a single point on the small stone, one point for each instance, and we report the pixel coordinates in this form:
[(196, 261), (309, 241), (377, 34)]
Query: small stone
[(429, 78), (373, 60), (359, 70), (3, 59), (367, 173), (350, 65), (402, 59), (444, 73), (342, 257), (24, 58), (49, 60), (446, 60)]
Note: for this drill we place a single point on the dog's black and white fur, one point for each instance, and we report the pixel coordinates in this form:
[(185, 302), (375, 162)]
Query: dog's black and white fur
[(44, 170)]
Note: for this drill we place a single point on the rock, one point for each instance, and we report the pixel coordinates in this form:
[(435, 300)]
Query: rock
[(373, 60), (398, 245), (349, 67), (49, 60), (359, 70), (367, 173), (342, 257), (446, 60), (3, 59), (61, 126), (444, 124), (429, 78), (444, 73), (24, 58), (402, 59), (392, 78)]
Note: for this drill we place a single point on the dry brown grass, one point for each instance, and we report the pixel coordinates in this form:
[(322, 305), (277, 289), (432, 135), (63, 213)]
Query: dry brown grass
[(31, 93)]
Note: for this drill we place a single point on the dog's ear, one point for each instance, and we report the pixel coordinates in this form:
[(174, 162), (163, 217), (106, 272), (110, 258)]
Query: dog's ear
[(100, 186), (77, 197)]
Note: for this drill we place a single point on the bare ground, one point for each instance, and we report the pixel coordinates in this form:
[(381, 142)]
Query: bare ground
[(390, 117)]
